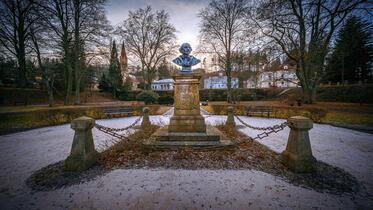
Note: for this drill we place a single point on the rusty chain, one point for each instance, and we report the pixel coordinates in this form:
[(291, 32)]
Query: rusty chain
[(113, 131), (267, 130), (274, 129), (205, 113), (166, 114)]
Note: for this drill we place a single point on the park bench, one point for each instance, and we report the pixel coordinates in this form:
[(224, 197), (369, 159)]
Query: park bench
[(20, 102), (262, 111), (118, 111)]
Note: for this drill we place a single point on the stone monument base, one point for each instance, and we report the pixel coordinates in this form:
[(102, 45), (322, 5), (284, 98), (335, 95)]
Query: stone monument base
[(193, 123), (165, 139)]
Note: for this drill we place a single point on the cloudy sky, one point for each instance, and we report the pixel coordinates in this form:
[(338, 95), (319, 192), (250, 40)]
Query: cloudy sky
[(183, 14)]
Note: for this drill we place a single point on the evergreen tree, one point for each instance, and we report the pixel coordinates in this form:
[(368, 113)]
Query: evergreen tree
[(115, 76), (352, 56), (104, 84)]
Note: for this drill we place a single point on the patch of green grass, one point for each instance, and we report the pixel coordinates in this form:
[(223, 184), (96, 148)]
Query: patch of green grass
[(317, 114), (348, 118)]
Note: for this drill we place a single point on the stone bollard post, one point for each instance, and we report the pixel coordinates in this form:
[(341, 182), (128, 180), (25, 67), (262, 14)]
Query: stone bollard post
[(230, 118), (298, 154), (145, 118), (83, 154)]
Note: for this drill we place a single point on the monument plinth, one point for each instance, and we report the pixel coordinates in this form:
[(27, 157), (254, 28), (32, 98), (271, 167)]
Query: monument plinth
[(187, 126), (187, 115)]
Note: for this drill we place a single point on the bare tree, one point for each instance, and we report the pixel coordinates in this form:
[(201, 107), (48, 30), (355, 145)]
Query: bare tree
[(15, 23), (37, 32), (303, 30), (89, 25), (57, 15), (77, 26), (150, 37), (224, 31)]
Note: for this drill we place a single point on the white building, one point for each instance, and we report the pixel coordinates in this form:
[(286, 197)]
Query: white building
[(209, 61), (218, 80), (282, 77), (163, 84), (252, 82)]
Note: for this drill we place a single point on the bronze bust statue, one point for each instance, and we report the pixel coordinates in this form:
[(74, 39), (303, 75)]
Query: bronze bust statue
[(185, 60)]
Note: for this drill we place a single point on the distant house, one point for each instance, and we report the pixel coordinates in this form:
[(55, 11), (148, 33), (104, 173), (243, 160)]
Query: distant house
[(284, 76), (163, 84), (218, 80), (252, 82), (135, 81)]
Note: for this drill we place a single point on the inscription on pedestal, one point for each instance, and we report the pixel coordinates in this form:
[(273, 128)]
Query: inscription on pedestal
[(187, 116)]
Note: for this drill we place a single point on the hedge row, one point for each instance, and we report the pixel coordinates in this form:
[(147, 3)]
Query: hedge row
[(219, 94), (350, 93), (12, 96), (17, 121)]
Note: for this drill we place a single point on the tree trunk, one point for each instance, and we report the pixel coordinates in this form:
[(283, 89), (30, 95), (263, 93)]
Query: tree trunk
[(21, 52), (77, 49), (77, 77), (228, 71), (114, 93), (309, 95), (69, 83), (77, 90), (149, 80), (22, 79), (48, 77), (229, 89), (50, 92)]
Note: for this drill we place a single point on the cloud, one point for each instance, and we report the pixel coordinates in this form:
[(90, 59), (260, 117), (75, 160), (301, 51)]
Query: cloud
[(183, 14)]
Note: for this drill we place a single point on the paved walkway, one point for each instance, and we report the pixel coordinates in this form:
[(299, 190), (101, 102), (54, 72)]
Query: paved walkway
[(23, 153)]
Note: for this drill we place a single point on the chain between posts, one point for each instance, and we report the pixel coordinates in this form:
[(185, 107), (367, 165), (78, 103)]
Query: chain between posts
[(113, 131), (267, 130), (206, 114)]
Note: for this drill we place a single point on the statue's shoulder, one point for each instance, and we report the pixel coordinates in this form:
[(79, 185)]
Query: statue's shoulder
[(177, 60), (194, 60)]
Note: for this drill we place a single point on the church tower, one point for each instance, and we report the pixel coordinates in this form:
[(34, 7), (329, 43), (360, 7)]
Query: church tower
[(123, 63)]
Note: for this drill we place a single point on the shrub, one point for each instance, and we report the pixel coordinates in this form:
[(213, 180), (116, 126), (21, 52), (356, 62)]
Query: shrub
[(348, 93), (147, 96), (316, 114), (166, 100), (123, 94)]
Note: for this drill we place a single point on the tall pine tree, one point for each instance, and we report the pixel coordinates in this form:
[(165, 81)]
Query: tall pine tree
[(115, 76), (352, 56)]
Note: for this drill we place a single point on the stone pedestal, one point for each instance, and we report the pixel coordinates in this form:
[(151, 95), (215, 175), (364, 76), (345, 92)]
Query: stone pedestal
[(187, 126), (187, 115), (298, 154), (83, 154), (230, 118), (145, 118)]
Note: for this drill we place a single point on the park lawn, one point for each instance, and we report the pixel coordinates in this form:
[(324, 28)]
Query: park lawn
[(322, 112), (31, 108), (349, 118), (329, 117), (24, 118)]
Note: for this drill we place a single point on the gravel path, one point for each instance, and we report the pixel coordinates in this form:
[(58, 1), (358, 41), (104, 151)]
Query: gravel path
[(23, 153)]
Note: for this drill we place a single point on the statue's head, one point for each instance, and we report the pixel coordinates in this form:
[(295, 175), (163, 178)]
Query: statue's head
[(185, 49)]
